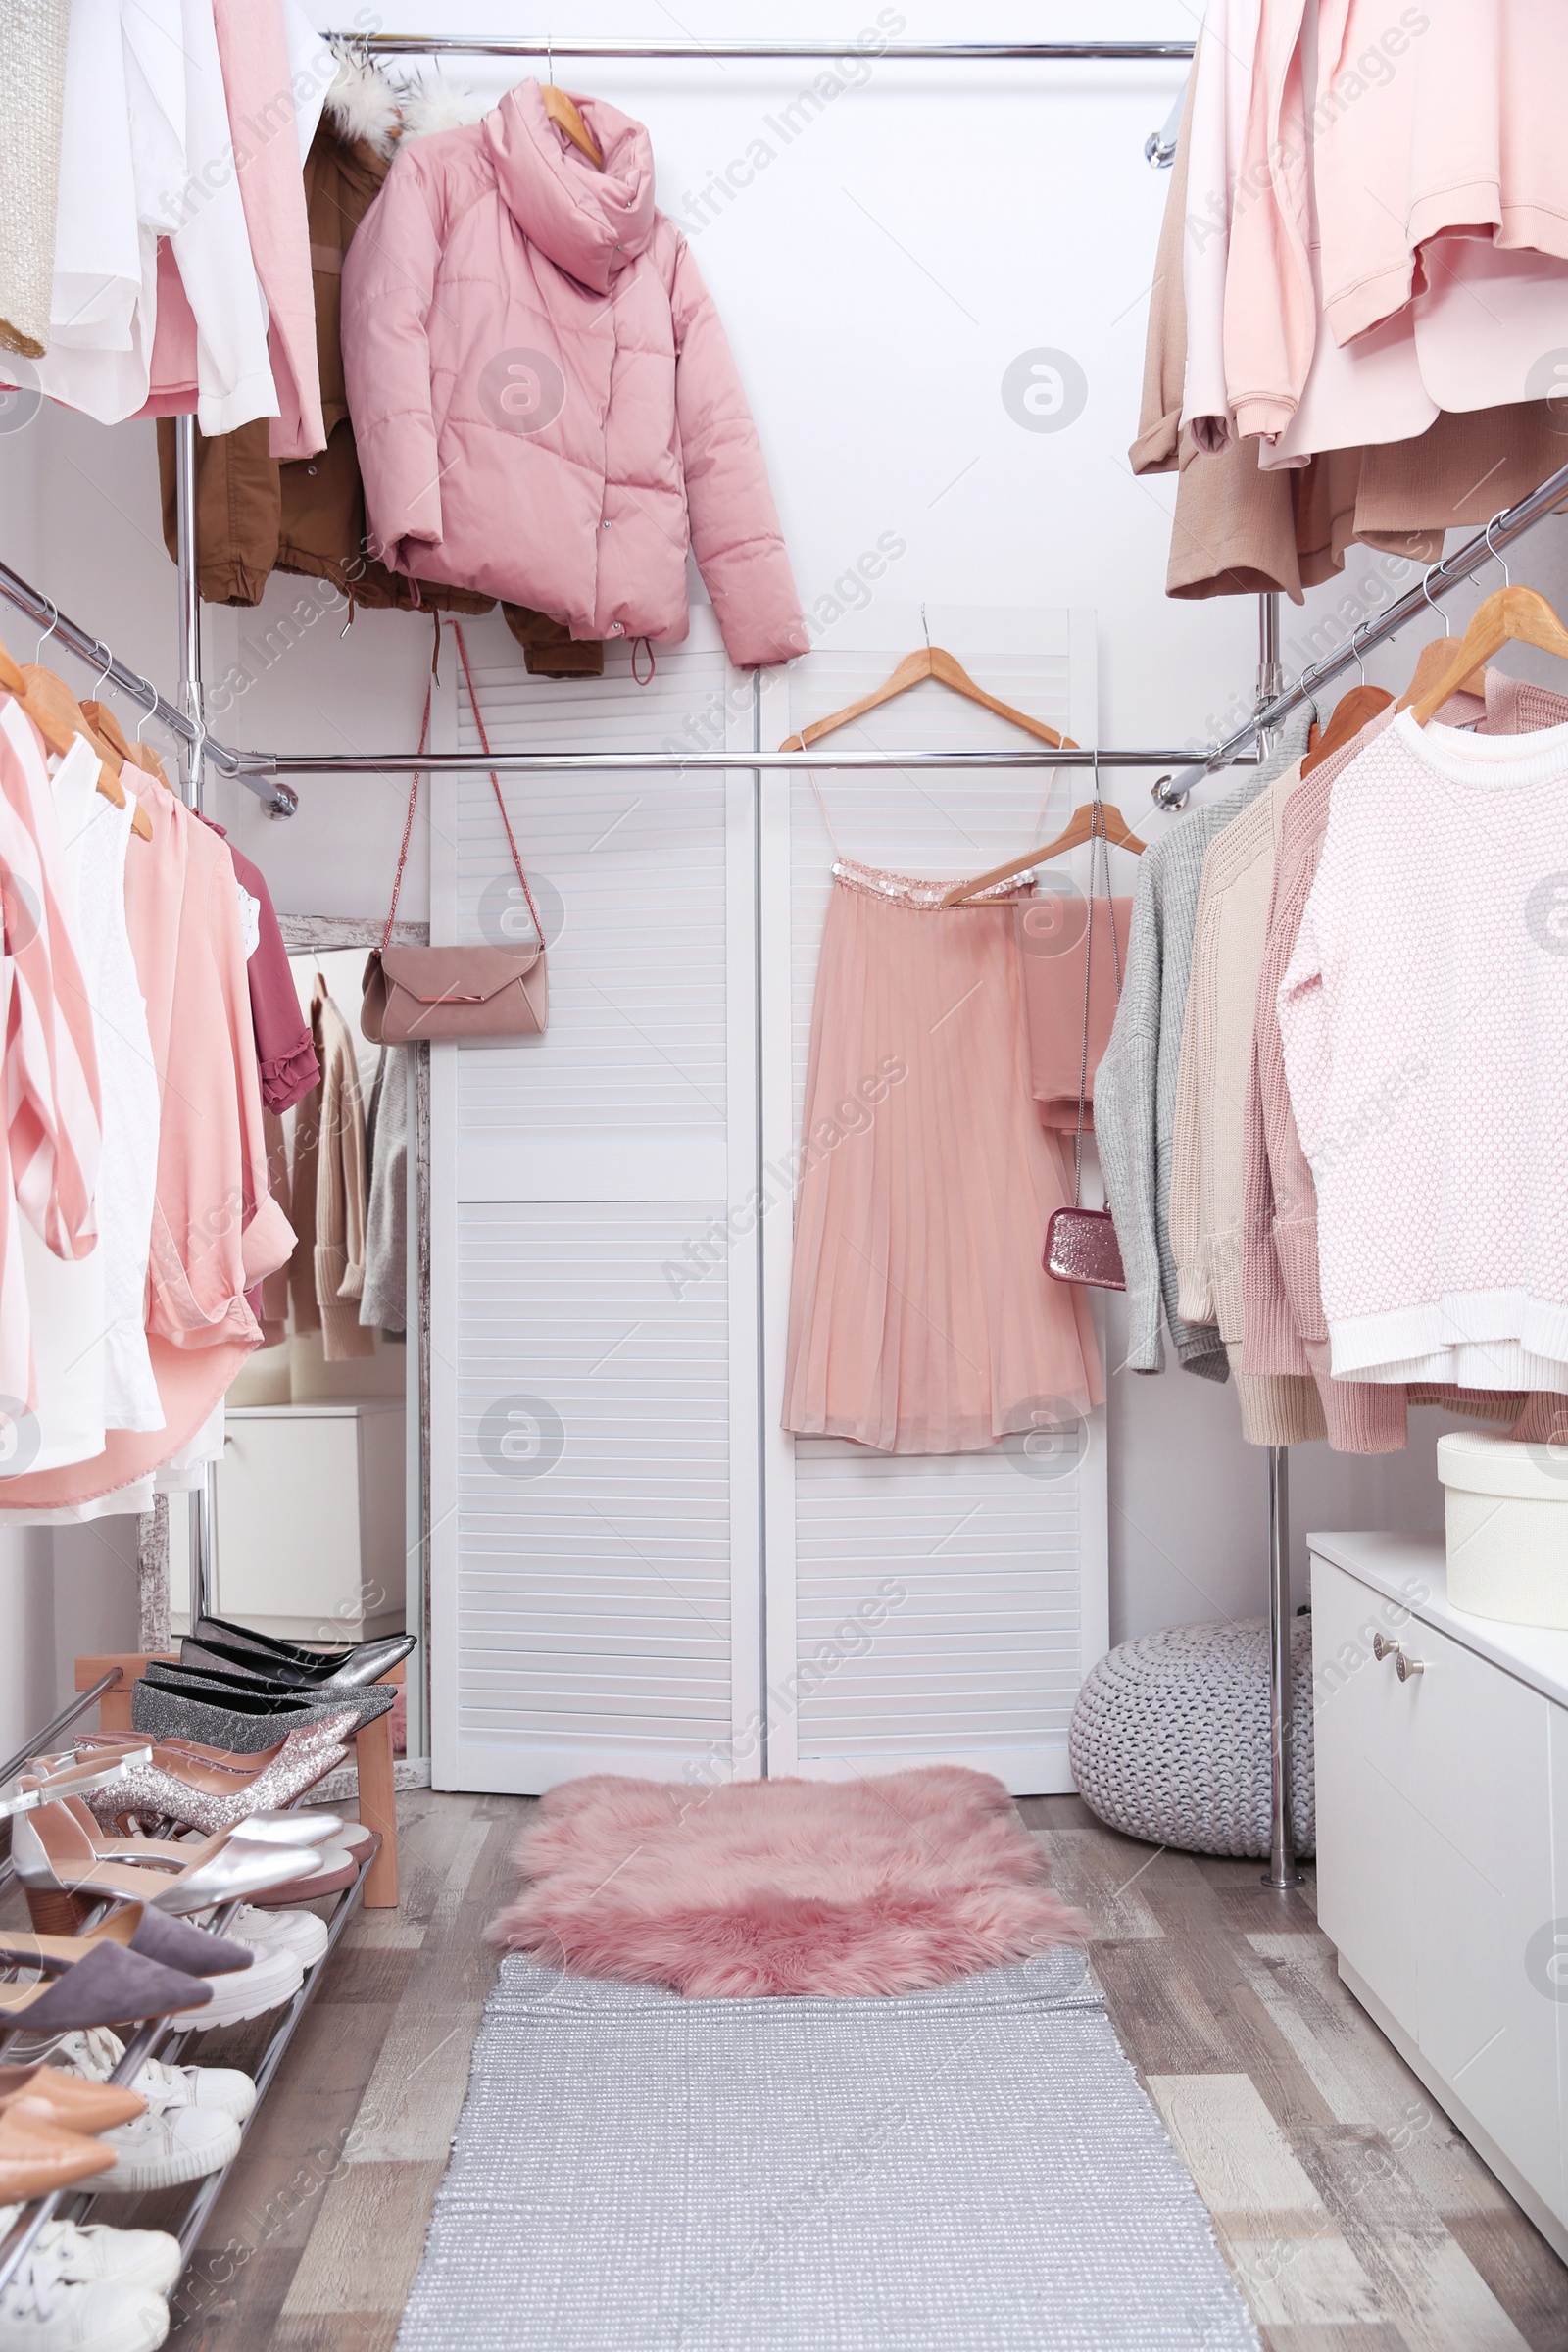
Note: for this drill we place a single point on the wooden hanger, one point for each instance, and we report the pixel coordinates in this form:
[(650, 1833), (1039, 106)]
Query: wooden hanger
[(567, 119), (140, 755), (1081, 828), (1509, 617), (46, 693), (1350, 714), (55, 732), (1432, 660), (929, 662)]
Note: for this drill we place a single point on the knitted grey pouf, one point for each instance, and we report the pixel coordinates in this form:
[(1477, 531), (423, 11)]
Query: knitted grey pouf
[(1169, 1738)]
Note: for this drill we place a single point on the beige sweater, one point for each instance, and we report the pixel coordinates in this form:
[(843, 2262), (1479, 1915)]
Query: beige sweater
[(331, 1131), (1207, 1185)]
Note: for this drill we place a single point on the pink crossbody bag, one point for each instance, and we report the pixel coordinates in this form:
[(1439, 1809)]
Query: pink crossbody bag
[(1081, 1244), (410, 994)]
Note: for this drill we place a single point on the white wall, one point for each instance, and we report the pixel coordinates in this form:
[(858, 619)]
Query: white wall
[(890, 256)]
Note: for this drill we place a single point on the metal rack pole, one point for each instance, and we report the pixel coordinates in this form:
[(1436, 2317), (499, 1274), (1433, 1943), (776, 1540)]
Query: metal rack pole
[(43, 1741), (194, 749), (948, 53), (1281, 1873), (110, 670), (262, 770), (1439, 579), (1232, 751)]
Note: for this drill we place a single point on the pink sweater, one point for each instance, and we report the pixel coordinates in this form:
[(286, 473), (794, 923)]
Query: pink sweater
[(1424, 1022), (1283, 1328)]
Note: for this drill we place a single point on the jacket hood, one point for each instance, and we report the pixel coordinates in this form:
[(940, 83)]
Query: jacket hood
[(589, 223)]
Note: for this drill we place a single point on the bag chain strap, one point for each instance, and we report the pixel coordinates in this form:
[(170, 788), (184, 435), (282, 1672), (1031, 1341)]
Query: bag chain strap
[(494, 786), (1099, 849)]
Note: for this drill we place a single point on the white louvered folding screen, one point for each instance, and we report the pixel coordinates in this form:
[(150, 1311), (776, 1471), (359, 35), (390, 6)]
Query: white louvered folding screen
[(595, 1558), (604, 1307)]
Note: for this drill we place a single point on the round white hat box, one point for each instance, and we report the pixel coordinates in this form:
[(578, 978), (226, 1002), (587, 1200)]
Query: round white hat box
[(1506, 1507)]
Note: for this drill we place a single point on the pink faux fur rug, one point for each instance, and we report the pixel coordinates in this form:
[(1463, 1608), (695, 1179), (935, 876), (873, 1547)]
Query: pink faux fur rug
[(780, 1886)]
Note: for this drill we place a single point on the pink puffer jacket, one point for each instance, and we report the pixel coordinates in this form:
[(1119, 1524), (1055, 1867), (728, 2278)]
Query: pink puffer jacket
[(545, 405)]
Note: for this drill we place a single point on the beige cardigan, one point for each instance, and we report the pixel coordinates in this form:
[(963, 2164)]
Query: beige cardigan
[(329, 1271), (1207, 1184)]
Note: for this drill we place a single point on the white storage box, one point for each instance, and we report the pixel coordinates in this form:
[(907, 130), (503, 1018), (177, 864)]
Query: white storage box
[(1507, 1518)]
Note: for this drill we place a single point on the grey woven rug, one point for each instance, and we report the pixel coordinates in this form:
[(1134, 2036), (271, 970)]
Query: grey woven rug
[(971, 2169)]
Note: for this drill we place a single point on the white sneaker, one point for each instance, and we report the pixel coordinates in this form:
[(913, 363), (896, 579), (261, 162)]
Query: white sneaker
[(298, 1932), (42, 2311), (81, 2253), (215, 2089), (96, 2053), (164, 2149), (274, 1977)]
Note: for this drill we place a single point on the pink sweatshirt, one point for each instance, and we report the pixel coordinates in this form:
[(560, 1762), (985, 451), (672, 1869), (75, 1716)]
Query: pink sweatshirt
[(1424, 1021), (217, 1228), (1404, 177)]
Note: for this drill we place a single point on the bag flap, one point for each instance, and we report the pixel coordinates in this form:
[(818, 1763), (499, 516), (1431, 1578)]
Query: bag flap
[(458, 975)]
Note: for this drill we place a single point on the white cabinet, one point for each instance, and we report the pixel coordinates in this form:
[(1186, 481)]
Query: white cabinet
[(309, 1528), (1442, 1845)]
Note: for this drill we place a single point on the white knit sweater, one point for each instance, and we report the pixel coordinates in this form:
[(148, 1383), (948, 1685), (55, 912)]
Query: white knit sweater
[(1425, 1024)]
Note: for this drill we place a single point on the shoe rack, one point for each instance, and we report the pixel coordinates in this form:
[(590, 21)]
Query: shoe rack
[(108, 1680)]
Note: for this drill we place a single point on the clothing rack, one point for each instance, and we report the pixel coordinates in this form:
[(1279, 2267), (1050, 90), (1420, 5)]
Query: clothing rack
[(185, 725), (1275, 704)]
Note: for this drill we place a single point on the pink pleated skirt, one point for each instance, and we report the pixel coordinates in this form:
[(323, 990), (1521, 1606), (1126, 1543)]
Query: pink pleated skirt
[(921, 1320)]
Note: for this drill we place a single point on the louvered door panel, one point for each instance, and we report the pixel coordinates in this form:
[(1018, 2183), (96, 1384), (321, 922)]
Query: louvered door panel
[(593, 1609), (918, 1609), (596, 1569)]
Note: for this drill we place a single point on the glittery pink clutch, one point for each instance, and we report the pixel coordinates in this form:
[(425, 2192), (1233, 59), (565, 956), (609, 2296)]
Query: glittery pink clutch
[(1081, 1245)]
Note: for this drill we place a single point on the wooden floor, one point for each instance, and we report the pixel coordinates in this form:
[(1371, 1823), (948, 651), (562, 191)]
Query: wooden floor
[(1354, 2218)]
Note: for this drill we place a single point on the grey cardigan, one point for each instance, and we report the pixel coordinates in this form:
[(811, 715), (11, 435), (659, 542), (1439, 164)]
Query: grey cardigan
[(1134, 1085)]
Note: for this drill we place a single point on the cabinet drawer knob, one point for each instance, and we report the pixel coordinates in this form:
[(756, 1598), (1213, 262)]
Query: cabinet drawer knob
[(1404, 1667), (1383, 1647)]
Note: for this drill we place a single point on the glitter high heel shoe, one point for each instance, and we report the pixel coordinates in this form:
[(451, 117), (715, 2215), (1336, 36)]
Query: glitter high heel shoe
[(168, 1787), (234, 1711)]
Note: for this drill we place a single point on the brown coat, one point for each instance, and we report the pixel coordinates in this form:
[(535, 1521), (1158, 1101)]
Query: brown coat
[(255, 516)]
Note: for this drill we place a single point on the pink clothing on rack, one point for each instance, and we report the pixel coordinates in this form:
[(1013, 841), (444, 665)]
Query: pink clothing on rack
[(53, 1120), (258, 82), (1455, 127), (264, 147), (1053, 945), (1424, 1023), (215, 1228), (921, 1320), (285, 1057), (191, 1381), (1353, 294), (172, 368), (1285, 1331)]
